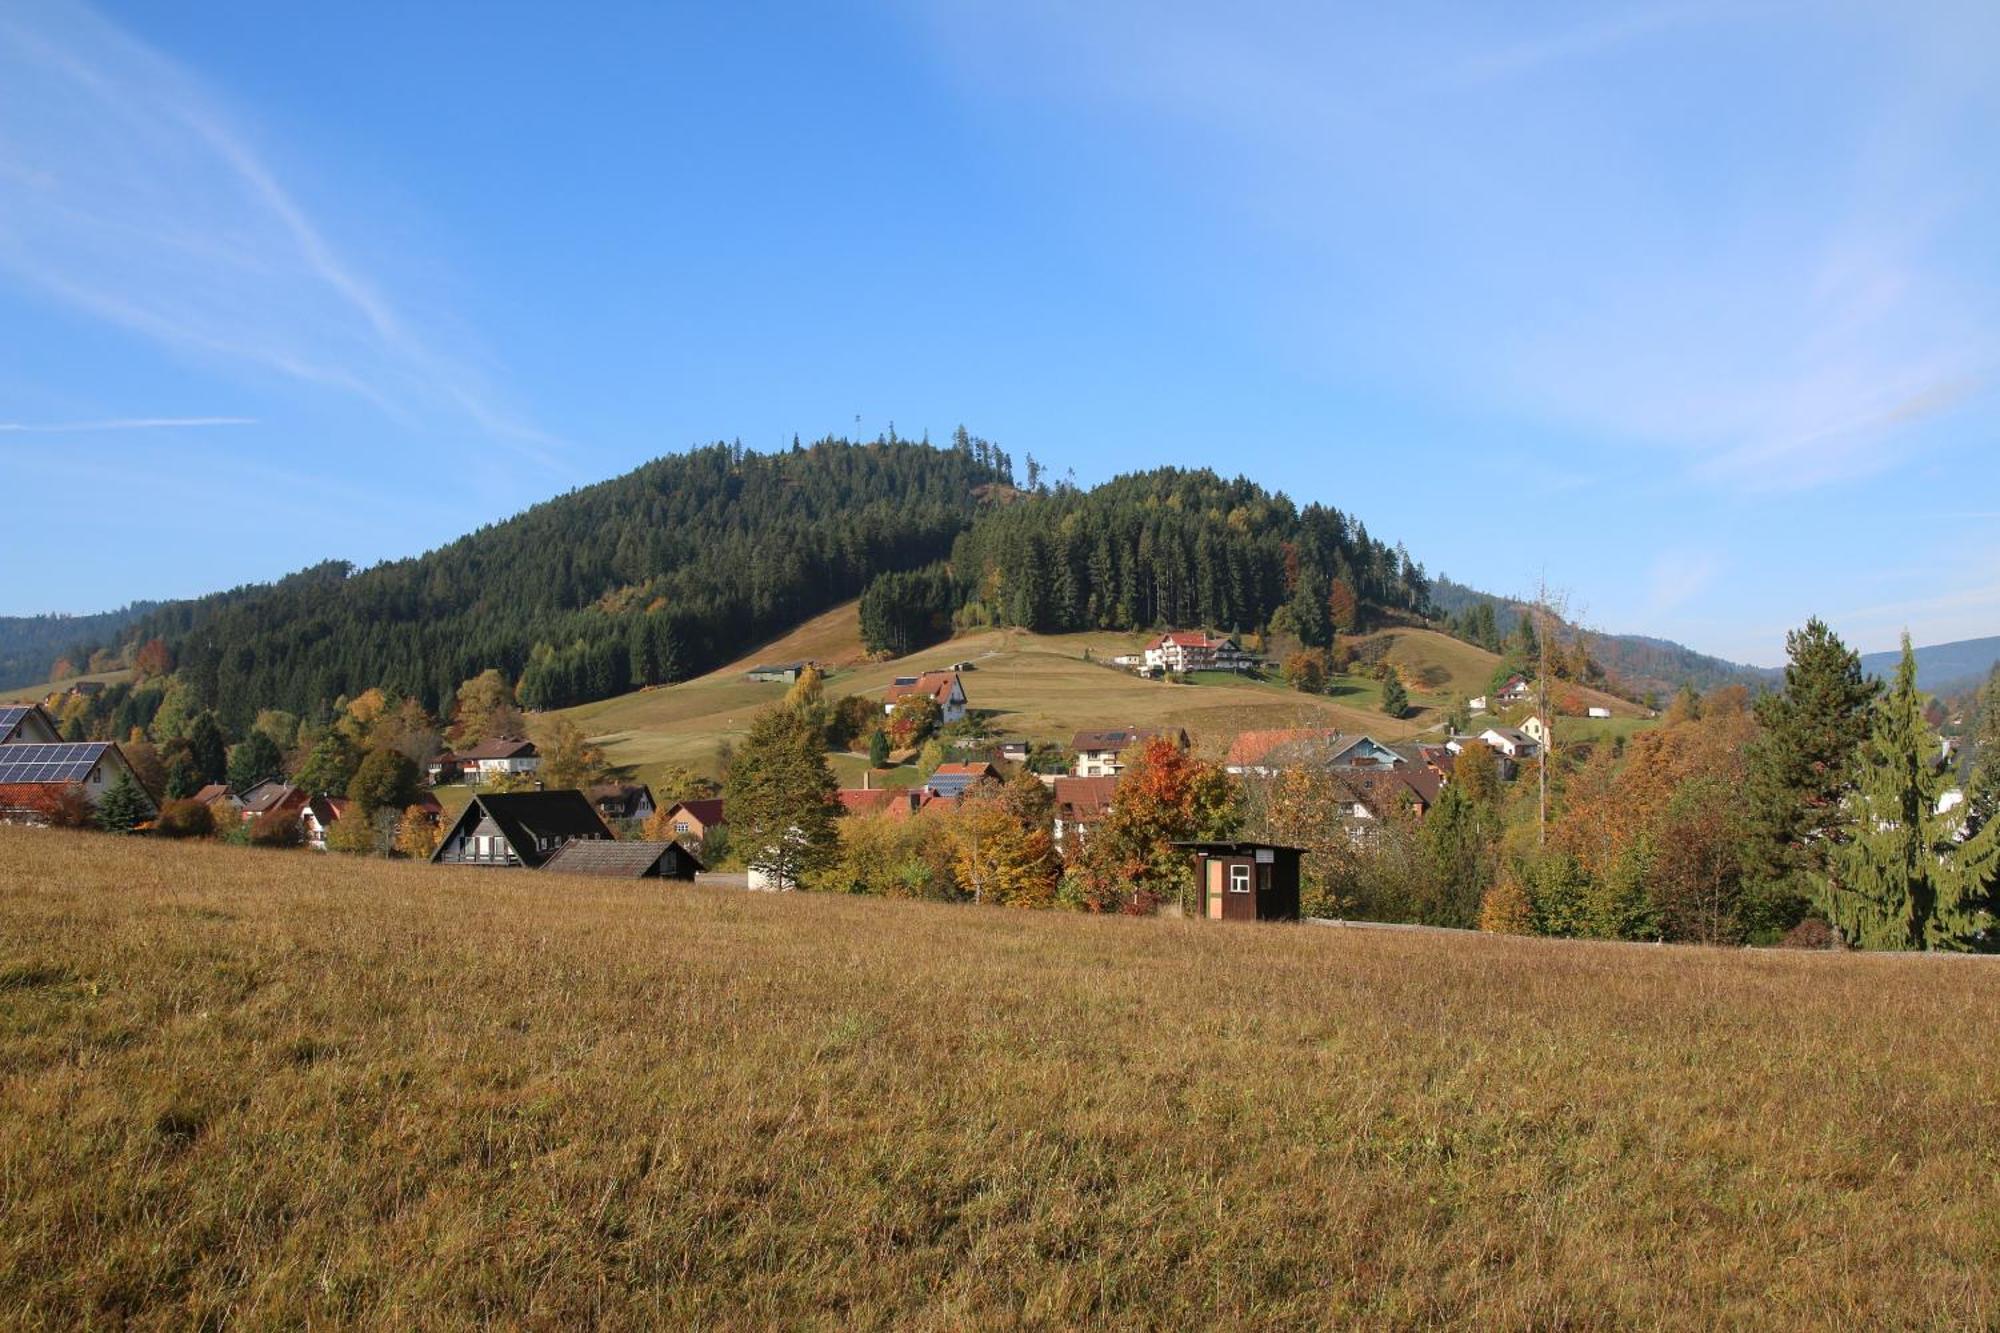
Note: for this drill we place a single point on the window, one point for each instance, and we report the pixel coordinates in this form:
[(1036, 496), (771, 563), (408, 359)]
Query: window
[(1239, 879), (680, 826)]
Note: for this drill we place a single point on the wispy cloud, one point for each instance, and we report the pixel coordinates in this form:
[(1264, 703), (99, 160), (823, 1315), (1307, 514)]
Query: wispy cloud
[(120, 424), (129, 192)]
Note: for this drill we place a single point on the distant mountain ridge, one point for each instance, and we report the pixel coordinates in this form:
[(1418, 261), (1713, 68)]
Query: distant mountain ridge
[(1941, 667)]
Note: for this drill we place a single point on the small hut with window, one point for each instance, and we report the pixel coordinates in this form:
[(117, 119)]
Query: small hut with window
[(1245, 881)]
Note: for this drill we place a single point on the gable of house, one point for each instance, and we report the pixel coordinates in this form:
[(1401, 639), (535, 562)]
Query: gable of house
[(29, 723)]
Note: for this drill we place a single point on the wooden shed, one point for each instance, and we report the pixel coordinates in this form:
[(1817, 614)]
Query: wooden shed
[(1245, 881)]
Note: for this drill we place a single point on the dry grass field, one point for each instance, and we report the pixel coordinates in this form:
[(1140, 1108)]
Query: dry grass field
[(261, 1089)]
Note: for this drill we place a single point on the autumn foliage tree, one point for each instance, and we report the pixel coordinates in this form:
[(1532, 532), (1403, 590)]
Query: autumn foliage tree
[(1343, 607), (1130, 863), (1005, 854)]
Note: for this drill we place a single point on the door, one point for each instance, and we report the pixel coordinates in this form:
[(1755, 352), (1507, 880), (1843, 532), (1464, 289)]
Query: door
[(1215, 876)]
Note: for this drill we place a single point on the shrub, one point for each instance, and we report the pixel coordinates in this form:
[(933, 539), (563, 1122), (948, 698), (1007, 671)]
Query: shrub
[(185, 819), (1811, 933), (277, 828)]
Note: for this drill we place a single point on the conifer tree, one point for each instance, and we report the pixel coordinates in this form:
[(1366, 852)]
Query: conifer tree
[(1905, 880), (1801, 763), (123, 807), (1395, 698), (252, 760)]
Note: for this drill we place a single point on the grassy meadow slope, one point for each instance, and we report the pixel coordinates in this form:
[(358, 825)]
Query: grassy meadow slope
[(273, 1089), (1040, 687)]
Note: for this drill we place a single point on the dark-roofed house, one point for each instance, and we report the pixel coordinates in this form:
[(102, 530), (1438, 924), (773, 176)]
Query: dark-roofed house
[(270, 795), (519, 828), (27, 722), (1104, 754), (777, 673), (623, 800), (447, 767), (499, 757), (624, 860), (92, 767)]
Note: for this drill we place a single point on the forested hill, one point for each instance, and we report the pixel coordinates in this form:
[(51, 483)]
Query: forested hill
[(1176, 548), (1943, 667), (650, 577), (30, 646)]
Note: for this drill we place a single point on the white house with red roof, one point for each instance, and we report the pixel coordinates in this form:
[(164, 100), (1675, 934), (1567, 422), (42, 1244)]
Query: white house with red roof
[(1195, 650), (944, 687)]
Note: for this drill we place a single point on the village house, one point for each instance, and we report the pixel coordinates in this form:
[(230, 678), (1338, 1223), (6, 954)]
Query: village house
[(1536, 729), (1267, 753), (1245, 881), (900, 802), (1103, 754), (624, 860), (1080, 806), (693, 821), (1014, 752), (503, 756), (271, 794), (623, 800), (518, 829), (1517, 690), (33, 773), (1511, 742), (221, 801), (943, 687), (950, 781), (27, 722), (447, 767), (319, 816), (1596, 710), (1196, 650)]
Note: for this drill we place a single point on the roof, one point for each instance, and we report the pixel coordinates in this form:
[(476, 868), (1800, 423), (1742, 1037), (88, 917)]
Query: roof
[(329, 809), (267, 794), (974, 771), (1189, 638), (615, 860), (1251, 748), (936, 684), (627, 792), (707, 810), (1383, 786), (214, 791), (878, 800), (1083, 799), (1514, 734), (42, 762), (763, 667), (500, 747), (1120, 738)]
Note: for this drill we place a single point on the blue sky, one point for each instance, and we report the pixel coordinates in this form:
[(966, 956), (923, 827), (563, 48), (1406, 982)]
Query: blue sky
[(1694, 309)]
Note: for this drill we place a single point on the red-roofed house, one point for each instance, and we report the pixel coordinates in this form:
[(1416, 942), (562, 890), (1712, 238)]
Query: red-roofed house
[(942, 686), (953, 780), (899, 801), (1195, 650), (1081, 805), (321, 813), (695, 819), (1263, 753)]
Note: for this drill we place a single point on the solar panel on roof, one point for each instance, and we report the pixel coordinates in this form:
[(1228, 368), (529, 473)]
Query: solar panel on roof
[(59, 762)]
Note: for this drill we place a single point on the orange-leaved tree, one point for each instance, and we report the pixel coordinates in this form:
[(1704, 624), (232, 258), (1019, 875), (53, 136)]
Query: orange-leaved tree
[(1130, 863)]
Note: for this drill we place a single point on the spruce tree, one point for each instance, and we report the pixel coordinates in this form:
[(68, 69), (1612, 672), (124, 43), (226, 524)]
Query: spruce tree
[(123, 807), (1801, 763), (252, 760), (1905, 880), (878, 749), (1395, 698)]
